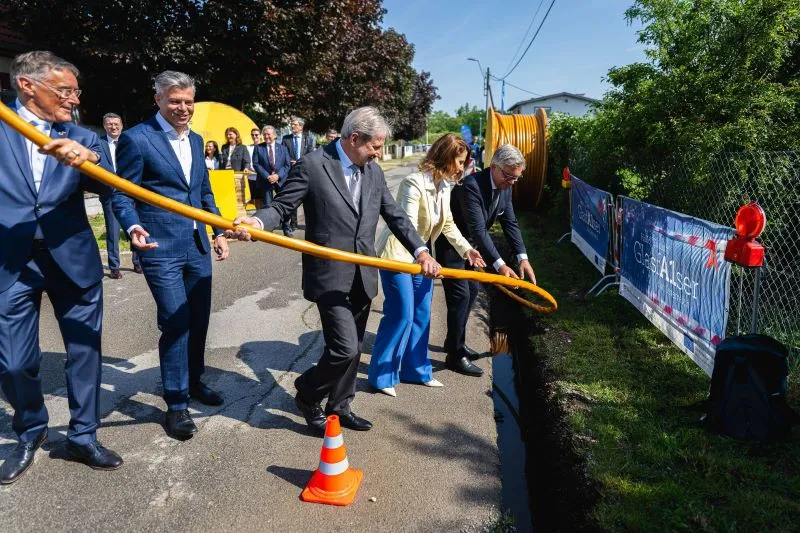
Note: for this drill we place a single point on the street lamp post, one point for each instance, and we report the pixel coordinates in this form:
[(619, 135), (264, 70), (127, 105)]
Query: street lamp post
[(486, 79)]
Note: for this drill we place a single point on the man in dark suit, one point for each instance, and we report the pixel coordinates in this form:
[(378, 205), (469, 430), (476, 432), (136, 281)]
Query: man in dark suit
[(482, 199), (343, 193), (112, 123), (298, 144), (271, 162), (47, 245), (164, 156)]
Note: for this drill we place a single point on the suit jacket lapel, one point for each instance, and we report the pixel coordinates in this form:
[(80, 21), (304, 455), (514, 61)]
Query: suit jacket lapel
[(486, 193), (333, 168), (20, 152), (58, 130), (367, 184), (158, 138)]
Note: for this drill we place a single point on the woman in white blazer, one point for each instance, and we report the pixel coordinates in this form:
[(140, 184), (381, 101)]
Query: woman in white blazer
[(401, 345)]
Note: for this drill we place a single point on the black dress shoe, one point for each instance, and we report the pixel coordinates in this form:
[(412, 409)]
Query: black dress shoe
[(462, 365), (470, 353), (312, 412), (94, 455), (137, 268), (204, 394), (180, 425), (354, 422), (115, 274), (20, 459)]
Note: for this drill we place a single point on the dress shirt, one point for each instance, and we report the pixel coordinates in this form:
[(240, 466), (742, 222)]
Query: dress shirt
[(35, 158), (112, 148), (520, 257), (180, 145)]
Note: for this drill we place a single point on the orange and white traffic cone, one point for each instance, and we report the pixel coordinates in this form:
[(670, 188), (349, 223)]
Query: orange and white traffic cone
[(334, 482)]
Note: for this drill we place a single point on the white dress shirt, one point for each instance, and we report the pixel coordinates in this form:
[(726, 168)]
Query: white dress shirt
[(112, 148), (497, 264), (35, 158)]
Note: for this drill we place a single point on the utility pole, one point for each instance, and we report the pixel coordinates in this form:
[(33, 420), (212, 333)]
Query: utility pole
[(486, 91)]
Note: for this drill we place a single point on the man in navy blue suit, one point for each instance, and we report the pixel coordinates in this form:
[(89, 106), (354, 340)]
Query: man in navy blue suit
[(298, 144), (47, 245), (112, 123), (480, 200), (272, 163), (162, 155)]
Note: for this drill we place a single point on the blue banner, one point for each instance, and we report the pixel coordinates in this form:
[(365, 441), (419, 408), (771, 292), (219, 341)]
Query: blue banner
[(673, 270), (466, 132), (589, 222)]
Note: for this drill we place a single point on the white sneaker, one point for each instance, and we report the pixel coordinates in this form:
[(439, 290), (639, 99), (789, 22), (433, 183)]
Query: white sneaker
[(433, 383), (389, 391)]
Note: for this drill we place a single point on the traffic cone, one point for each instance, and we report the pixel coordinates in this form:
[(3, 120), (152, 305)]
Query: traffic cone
[(334, 482)]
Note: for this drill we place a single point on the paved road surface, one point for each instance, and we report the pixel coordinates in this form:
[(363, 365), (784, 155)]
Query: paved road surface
[(430, 461)]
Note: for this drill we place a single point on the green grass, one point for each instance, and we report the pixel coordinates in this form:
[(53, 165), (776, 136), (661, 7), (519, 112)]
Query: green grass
[(633, 402), (98, 223), (394, 163)]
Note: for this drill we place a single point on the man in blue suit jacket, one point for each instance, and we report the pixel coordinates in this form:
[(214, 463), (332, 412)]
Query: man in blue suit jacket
[(272, 163), (480, 200), (112, 123), (163, 156), (47, 245)]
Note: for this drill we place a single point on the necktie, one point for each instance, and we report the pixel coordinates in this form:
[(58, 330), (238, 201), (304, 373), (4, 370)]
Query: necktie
[(271, 156), (296, 147), (355, 185), (495, 201)]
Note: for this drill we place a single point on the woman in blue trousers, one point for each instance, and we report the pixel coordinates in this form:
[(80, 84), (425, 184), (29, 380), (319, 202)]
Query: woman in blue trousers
[(401, 346)]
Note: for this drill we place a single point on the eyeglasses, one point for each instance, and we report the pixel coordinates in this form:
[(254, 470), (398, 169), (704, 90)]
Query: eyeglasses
[(509, 177), (65, 93)]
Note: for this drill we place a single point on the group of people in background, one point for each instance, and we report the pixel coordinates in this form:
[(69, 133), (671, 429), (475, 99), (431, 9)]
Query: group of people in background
[(47, 246)]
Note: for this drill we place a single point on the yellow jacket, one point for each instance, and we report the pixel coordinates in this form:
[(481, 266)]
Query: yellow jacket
[(416, 197)]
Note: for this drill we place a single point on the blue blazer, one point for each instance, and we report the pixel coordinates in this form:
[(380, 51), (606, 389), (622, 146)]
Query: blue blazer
[(145, 157), (263, 168), (57, 209)]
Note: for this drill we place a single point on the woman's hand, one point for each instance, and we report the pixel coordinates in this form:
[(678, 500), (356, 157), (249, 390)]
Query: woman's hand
[(475, 259)]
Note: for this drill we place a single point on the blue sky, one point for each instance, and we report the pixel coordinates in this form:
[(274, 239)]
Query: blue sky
[(579, 42)]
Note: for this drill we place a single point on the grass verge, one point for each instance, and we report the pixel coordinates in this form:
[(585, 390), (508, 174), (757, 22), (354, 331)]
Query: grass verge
[(394, 163), (98, 223), (631, 403)]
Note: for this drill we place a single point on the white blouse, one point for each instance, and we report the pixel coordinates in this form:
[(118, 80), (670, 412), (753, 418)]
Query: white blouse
[(212, 163)]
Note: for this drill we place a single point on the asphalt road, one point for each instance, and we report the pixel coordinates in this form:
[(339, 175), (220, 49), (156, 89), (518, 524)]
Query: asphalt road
[(430, 462)]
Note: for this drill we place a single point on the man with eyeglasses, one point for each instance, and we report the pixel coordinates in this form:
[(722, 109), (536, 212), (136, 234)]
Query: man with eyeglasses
[(481, 200), (47, 245)]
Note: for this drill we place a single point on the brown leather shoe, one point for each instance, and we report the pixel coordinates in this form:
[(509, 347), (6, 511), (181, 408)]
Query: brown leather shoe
[(115, 274)]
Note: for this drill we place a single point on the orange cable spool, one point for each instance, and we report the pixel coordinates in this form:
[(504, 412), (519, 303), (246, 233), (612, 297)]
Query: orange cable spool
[(100, 174)]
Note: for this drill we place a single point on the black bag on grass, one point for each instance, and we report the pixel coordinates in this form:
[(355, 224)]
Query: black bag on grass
[(748, 389)]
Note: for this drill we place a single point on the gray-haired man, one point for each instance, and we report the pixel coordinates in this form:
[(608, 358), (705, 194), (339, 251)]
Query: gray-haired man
[(343, 192), (482, 199)]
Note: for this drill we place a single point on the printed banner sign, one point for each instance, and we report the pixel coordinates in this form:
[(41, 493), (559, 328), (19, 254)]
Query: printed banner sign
[(466, 132), (590, 222), (673, 270)]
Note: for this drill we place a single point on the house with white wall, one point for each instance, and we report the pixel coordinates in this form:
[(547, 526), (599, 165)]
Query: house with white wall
[(576, 105)]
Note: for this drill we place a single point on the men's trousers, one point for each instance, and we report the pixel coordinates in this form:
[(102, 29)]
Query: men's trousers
[(181, 287), (344, 320), (460, 295), (112, 235), (80, 315)]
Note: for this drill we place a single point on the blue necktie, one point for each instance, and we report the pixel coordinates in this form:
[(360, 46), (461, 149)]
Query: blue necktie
[(296, 147)]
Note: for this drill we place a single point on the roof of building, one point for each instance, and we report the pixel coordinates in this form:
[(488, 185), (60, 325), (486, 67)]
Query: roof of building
[(556, 95)]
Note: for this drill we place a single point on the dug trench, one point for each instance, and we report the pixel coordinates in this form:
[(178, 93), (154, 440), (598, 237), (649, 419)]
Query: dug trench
[(561, 496)]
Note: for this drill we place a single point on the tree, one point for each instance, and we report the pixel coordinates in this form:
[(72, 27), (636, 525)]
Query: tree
[(316, 59)]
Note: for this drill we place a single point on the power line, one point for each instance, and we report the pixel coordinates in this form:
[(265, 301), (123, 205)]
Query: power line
[(516, 86), (521, 41), (530, 43)]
